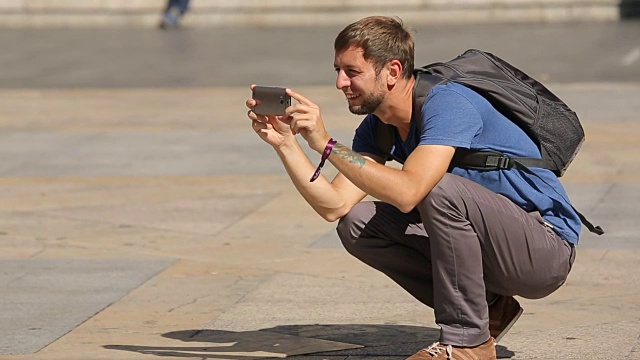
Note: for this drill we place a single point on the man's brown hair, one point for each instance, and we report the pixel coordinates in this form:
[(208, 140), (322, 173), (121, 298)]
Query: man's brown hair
[(382, 39)]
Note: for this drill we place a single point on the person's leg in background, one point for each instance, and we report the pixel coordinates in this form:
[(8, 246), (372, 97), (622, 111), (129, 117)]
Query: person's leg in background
[(182, 5), (173, 12)]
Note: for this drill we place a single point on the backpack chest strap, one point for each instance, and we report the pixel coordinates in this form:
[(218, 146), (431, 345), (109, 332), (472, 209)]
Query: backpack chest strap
[(491, 160)]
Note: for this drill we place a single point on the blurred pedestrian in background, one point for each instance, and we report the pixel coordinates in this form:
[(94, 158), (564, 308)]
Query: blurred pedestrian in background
[(172, 14)]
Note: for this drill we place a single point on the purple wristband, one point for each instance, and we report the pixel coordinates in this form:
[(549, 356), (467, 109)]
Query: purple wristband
[(325, 156)]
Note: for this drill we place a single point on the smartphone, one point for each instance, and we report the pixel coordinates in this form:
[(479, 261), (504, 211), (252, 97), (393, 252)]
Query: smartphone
[(270, 100)]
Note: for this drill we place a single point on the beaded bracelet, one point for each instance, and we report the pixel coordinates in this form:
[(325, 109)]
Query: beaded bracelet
[(325, 156)]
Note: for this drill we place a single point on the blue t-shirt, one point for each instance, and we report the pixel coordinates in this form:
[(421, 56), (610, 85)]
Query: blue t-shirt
[(455, 115)]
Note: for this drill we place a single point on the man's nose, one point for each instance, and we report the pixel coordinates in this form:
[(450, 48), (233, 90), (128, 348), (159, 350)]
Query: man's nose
[(342, 80)]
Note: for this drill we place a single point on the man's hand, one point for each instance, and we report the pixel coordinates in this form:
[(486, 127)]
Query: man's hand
[(274, 130), (305, 119)]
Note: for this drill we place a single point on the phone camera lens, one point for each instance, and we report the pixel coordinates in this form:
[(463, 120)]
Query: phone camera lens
[(281, 101)]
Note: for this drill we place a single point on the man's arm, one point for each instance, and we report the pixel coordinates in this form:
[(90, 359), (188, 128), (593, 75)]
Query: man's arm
[(404, 188), (330, 200)]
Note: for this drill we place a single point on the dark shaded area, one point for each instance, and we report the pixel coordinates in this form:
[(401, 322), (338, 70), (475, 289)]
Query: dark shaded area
[(630, 9), (379, 342)]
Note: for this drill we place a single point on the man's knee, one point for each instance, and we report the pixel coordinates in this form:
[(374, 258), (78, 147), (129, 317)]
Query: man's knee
[(351, 225), (444, 193)]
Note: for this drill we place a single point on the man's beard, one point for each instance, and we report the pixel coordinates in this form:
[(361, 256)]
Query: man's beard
[(369, 104)]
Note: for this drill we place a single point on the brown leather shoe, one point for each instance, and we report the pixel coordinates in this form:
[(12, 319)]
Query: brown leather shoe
[(486, 351), (502, 315)]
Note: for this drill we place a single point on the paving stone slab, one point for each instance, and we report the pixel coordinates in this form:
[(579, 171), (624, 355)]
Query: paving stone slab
[(44, 299)]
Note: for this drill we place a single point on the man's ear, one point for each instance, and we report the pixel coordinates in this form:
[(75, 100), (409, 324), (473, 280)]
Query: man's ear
[(395, 72)]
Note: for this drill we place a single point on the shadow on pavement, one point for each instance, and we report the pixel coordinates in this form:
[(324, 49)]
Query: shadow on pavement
[(361, 341)]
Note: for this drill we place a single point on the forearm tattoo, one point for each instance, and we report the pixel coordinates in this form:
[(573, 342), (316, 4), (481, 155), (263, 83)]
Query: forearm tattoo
[(349, 154)]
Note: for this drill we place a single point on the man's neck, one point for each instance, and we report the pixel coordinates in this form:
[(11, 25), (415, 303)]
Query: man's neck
[(398, 106)]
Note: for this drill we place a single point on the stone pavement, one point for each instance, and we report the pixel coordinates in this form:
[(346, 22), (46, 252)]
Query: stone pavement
[(146, 222)]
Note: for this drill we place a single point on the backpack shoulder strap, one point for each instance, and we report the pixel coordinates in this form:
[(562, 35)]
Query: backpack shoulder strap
[(384, 138), (425, 81)]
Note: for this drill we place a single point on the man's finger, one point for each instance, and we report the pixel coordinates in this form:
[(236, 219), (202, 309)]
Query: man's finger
[(253, 116), (301, 99), (297, 109)]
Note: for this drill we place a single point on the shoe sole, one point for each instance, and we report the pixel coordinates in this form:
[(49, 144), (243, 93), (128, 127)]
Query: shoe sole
[(509, 325)]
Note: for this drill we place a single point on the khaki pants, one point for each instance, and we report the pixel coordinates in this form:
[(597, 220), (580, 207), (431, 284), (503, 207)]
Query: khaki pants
[(479, 243)]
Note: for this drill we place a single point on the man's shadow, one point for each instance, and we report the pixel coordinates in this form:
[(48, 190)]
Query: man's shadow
[(300, 342)]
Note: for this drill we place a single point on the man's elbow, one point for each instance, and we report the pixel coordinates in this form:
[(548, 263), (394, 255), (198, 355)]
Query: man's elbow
[(406, 207), (330, 217), (333, 215), (409, 202)]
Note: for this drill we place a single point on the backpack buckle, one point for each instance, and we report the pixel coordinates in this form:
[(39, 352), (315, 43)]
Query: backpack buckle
[(499, 162)]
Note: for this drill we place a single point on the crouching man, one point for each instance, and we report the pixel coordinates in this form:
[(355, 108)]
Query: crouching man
[(461, 241)]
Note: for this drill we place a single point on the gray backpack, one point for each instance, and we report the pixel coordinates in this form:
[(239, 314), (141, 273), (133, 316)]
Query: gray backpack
[(548, 121)]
